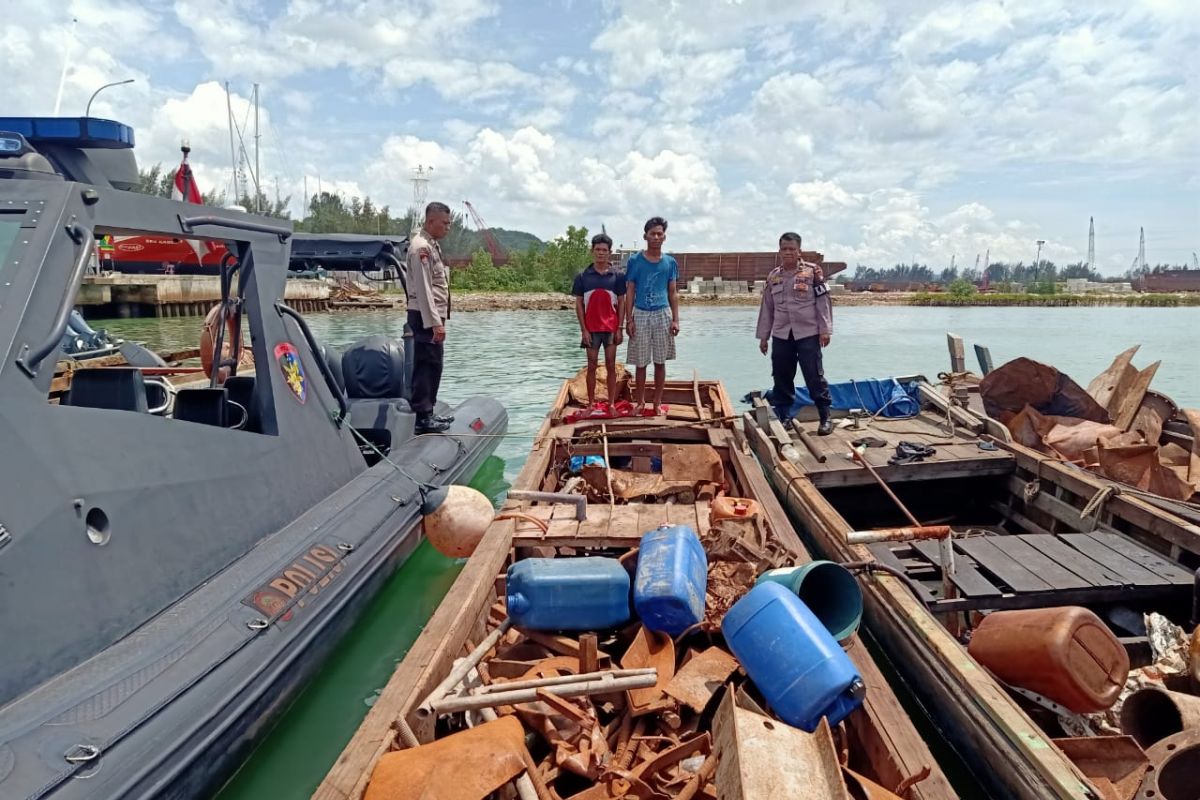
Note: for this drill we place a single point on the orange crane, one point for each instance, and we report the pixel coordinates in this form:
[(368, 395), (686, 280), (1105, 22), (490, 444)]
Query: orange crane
[(499, 256)]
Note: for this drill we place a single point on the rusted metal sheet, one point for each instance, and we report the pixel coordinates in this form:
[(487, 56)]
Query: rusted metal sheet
[(657, 651), (692, 462), (759, 758), (486, 757), (1114, 764), (1025, 382), (699, 679)]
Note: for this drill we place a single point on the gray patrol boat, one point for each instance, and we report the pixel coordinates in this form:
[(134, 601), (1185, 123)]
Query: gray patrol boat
[(176, 562)]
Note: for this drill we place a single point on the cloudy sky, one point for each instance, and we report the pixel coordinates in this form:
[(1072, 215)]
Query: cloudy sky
[(882, 130)]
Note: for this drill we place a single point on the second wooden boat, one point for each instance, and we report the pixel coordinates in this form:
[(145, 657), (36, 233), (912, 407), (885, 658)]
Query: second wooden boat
[(701, 733)]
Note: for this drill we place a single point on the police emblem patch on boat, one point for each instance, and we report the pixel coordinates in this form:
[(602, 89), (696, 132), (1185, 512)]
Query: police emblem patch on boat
[(293, 585), (293, 369)]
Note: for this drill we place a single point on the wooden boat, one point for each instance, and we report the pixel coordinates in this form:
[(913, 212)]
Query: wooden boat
[(1029, 532), (699, 448)]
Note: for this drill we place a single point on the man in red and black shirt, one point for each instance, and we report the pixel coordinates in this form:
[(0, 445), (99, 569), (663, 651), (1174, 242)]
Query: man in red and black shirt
[(599, 306)]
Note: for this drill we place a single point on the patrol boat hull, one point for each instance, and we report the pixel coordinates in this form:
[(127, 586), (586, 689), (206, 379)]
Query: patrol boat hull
[(172, 575)]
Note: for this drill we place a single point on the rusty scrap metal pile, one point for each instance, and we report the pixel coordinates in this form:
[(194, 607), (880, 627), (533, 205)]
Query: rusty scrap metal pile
[(1117, 427)]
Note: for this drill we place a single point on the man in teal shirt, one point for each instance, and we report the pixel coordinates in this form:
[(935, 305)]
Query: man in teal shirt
[(652, 321)]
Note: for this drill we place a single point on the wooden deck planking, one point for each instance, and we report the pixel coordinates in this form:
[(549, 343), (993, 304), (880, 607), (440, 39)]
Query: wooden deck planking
[(1143, 557), (1130, 571), (1046, 568), (1070, 558), (683, 514), (883, 553), (965, 576), (650, 516), (596, 524), (987, 552)]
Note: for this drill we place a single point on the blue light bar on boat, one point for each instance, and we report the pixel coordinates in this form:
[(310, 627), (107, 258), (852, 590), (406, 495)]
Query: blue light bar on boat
[(89, 132)]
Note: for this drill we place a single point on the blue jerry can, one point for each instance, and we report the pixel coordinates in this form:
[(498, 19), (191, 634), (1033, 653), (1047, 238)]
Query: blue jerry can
[(568, 594), (672, 577), (792, 658)]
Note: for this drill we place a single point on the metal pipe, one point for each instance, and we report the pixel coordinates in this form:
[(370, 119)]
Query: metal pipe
[(29, 361), (899, 534), (857, 456), (525, 787), (187, 223), (578, 500), (807, 441), (558, 680), (463, 668), (606, 685)]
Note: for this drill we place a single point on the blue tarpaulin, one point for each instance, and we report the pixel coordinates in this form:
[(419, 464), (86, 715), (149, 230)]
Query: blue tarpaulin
[(902, 400)]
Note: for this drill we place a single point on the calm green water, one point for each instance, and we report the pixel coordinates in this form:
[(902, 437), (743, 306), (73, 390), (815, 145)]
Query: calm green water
[(521, 357)]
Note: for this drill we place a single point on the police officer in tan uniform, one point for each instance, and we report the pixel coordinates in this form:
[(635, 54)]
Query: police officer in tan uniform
[(796, 319), (428, 310)]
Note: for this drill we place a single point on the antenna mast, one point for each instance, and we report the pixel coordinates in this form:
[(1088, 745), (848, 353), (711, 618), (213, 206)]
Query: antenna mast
[(1142, 249), (257, 187), (1091, 244), (420, 190)]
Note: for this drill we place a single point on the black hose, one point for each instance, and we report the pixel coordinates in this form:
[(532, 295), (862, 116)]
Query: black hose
[(876, 566)]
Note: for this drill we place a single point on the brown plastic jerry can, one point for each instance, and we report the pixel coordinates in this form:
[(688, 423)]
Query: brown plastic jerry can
[(1066, 654)]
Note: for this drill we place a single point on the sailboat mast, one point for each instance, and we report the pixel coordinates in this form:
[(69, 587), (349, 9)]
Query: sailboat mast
[(233, 165)]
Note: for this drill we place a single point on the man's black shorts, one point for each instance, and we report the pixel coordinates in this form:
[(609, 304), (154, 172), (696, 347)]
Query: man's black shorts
[(602, 339)]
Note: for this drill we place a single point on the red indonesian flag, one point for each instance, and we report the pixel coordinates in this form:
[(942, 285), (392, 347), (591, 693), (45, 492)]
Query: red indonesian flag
[(185, 184)]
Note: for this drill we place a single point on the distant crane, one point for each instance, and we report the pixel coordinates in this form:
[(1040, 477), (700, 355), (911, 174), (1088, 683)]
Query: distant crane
[(498, 254)]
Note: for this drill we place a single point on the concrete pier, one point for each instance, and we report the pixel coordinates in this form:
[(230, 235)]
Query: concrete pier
[(125, 296)]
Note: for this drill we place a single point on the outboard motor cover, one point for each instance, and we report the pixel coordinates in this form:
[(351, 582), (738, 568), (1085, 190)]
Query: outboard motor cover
[(374, 368)]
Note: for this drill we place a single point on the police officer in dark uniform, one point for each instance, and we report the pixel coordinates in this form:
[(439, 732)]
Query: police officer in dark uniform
[(796, 319), (428, 309)]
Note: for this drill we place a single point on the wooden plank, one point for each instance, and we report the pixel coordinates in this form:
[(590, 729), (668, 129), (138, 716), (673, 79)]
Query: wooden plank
[(984, 357), (596, 524), (624, 522), (884, 555), (682, 514), (1145, 558), (1128, 570), (965, 576), (1046, 568), (651, 515), (924, 471), (1059, 509), (958, 356), (987, 552), (1073, 560)]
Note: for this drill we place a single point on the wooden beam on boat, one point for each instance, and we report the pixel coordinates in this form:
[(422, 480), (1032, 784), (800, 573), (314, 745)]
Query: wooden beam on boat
[(958, 355), (1140, 514), (984, 356)]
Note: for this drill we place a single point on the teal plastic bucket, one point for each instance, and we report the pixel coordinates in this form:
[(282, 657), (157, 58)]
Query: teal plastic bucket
[(829, 591)]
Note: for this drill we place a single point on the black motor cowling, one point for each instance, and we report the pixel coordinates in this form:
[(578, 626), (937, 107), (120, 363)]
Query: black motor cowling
[(374, 368)]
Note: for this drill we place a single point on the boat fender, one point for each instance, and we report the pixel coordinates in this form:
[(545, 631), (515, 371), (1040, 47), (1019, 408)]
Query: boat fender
[(208, 339), (455, 519)]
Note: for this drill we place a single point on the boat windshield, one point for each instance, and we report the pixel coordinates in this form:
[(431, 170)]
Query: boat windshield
[(9, 228)]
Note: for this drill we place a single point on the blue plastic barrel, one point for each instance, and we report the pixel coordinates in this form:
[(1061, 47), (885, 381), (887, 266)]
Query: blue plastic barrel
[(792, 658), (568, 594), (829, 591), (672, 577)]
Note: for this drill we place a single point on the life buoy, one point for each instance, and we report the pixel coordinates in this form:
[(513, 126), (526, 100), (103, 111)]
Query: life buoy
[(208, 341)]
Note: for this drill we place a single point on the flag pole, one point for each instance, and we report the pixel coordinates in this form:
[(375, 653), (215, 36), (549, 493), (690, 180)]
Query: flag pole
[(185, 148)]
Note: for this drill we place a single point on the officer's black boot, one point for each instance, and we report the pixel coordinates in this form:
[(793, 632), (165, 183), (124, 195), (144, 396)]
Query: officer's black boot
[(826, 426), (427, 423)]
